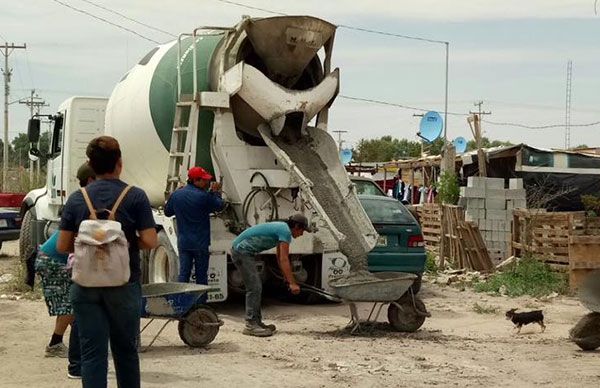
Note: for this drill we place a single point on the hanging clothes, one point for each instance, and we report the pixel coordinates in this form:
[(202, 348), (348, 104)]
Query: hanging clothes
[(422, 194), (406, 198)]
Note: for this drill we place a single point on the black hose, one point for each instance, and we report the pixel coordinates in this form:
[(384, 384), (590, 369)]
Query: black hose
[(266, 189)]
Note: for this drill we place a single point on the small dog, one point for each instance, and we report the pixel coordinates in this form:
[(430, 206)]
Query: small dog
[(520, 319)]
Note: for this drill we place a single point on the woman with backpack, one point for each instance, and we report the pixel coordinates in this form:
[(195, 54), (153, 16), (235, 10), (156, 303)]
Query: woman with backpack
[(106, 310)]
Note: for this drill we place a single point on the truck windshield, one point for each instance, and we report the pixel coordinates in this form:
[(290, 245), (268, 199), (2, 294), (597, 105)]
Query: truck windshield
[(383, 211)]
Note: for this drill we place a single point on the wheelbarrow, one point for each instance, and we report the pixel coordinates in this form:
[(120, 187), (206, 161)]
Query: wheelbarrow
[(405, 313), (198, 324)]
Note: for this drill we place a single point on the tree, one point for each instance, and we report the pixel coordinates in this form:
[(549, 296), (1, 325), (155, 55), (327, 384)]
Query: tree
[(20, 149), (487, 143)]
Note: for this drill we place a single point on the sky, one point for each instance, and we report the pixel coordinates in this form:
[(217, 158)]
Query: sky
[(510, 54)]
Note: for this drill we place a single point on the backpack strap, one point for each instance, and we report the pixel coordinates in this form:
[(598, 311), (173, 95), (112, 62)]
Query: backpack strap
[(88, 202), (113, 211)]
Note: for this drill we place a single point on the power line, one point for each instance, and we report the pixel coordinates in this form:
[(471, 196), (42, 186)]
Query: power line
[(540, 126), (346, 26), (251, 7), (105, 21), (373, 101), (129, 18), (29, 69), (396, 105)]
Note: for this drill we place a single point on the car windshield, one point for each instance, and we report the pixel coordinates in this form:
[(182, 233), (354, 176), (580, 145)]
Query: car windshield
[(367, 188), (386, 212)]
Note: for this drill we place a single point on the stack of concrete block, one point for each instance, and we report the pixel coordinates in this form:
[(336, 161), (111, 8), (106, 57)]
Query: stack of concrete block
[(490, 205)]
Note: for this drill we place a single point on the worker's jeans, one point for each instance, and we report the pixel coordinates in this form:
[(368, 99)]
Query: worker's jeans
[(247, 266), (198, 259), (103, 314)]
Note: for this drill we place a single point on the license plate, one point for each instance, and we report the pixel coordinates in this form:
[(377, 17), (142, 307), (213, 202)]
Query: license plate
[(3, 223), (382, 241)]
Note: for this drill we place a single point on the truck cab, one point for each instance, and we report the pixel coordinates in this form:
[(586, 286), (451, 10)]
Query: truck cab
[(77, 121)]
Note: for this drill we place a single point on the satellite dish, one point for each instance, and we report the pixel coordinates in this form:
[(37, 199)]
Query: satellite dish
[(460, 143), (346, 156), (431, 126)]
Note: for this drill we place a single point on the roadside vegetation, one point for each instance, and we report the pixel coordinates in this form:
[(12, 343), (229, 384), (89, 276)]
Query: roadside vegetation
[(527, 277)]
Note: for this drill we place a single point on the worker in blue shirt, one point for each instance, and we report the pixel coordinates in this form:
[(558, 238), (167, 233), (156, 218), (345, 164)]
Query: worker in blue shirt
[(191, 205)]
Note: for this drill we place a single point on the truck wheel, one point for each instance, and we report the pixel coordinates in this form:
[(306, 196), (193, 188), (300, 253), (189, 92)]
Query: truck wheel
[(406, 318), (199, 327), (163, 264), (25, 243)]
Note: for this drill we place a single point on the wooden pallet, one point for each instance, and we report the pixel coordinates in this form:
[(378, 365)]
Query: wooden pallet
[(584, 255)]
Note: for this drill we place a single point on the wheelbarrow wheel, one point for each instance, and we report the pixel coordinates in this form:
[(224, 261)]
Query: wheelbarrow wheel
[(408, 317), (199, 327)]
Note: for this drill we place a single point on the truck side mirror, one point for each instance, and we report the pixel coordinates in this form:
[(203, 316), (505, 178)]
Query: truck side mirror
[(34, 154), (33, 130)]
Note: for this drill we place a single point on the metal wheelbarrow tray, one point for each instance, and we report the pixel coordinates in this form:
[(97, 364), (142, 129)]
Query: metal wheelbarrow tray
[(406, 312), (198, 324)]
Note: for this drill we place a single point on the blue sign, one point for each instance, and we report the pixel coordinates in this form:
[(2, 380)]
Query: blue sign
[(346, 156), (431, 126)]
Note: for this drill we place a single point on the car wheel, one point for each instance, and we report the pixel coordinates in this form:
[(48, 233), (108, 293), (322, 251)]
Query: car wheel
[(26, 247), (163, 264)]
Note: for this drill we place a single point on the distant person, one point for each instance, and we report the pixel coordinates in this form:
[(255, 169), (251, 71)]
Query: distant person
[(250, 243), (56, 284), (192, 205), (109, 313)]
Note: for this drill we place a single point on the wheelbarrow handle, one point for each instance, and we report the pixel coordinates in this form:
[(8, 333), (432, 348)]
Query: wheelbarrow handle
[(320, 292)]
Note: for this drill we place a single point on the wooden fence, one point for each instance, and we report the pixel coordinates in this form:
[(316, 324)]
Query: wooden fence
[(447, 234)]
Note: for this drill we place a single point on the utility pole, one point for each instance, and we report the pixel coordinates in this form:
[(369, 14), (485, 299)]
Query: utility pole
[(7, 49), (568, 105), (340, 141), (35, 103), (475, 119)]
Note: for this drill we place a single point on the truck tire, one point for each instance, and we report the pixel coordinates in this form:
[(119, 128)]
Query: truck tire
[(163, 264), (25, 244)]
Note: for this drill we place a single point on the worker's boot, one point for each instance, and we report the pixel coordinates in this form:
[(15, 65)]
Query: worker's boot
[(270, 327), (256, 330)]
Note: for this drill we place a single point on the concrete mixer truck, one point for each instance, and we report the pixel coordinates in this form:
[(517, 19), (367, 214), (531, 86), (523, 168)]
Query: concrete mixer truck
[(248, 103)]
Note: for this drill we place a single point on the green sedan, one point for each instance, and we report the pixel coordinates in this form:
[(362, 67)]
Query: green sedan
[(400, 247)]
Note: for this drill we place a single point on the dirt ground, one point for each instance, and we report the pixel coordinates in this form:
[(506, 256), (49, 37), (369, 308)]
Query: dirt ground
[(457, 346)]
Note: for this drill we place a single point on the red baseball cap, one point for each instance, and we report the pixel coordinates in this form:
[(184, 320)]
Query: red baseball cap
[(199, 173)]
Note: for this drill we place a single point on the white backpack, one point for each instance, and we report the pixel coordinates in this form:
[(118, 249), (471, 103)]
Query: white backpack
[(101, 256)]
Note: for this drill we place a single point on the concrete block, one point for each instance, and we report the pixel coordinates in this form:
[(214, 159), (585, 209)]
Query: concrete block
[(472, 192), (475, 213), (475, 203), (519, 203), (510, 205), (516, 194), (495, 214), (494, 183), (495, 193), (476, 181), (515, 183), (495, 204)]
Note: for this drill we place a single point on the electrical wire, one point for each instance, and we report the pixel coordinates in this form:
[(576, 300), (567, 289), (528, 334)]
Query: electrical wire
[(105, 21), (372, 101), (129, 18), (29, 69), (539, 126), (348, 27), (393, 104)]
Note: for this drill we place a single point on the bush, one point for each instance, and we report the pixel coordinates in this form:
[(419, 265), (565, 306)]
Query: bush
[(431, 265), (448, 188), (528, 277)]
